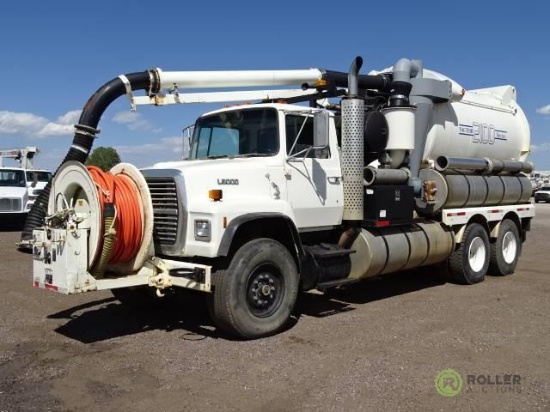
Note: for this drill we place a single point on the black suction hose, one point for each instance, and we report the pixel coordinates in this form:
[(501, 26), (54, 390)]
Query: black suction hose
[(380, 82), (86, 130)]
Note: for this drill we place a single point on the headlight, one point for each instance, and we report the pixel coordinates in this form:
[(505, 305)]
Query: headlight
[(202, 230)]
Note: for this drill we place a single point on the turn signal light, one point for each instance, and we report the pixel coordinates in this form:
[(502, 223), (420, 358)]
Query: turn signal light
[(215, 194)]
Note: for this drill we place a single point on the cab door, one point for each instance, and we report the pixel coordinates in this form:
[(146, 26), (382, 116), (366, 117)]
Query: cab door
[(314, 176)]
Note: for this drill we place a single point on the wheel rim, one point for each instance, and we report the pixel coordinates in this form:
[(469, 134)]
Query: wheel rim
[(509, 247), (265, 290), (477, 254)]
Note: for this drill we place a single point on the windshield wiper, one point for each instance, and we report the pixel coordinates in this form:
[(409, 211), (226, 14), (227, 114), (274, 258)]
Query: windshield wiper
[(253, 154), (216, 156)]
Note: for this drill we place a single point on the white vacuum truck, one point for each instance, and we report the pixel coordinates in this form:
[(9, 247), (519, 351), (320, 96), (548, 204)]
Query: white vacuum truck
[(345, 177)]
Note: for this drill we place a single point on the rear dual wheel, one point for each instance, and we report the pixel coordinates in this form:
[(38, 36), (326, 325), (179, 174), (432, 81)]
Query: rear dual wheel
[(476, 257), (505, 251), (469, 263)]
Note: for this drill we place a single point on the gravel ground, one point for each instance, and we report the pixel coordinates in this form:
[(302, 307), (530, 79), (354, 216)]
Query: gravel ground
[(375, 347)]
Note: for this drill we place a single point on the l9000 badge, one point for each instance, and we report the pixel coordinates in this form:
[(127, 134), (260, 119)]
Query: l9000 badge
[(228, 181)]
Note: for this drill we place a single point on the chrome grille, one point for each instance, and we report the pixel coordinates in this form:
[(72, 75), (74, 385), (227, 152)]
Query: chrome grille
[(10, 205), (165, 209)]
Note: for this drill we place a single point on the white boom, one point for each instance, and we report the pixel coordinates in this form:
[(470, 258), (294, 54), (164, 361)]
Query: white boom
[(238, 78), (22, 156)]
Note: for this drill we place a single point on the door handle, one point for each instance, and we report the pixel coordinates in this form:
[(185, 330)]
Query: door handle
[(334, 179)]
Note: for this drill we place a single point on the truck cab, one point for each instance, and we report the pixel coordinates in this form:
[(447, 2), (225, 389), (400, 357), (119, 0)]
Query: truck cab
[(258, 158), (13, 191), (36, 180), (19, 188)]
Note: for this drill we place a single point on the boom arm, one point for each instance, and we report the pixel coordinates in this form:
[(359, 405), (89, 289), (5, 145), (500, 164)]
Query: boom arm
[(238, 78), (175, 81), (22, 156), (312, 82)]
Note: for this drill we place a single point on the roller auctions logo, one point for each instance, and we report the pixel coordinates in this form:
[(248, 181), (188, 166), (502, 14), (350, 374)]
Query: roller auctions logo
[(448, 383)]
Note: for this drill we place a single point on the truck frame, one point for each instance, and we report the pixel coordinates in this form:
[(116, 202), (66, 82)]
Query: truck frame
[(294, 192)]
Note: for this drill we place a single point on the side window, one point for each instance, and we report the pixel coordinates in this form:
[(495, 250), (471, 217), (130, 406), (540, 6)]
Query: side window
[(302, 127)]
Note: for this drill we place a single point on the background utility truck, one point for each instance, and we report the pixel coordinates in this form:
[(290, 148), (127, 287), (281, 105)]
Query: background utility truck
[(20, 186), (345, 177)]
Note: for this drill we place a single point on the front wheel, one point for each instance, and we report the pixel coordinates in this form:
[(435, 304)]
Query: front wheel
[(468, 264), (255, 296), (506, 250)]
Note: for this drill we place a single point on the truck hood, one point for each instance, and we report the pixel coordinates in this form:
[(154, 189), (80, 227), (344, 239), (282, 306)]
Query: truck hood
[(8, 191), (191, 164), (225, 164), (239, 178)]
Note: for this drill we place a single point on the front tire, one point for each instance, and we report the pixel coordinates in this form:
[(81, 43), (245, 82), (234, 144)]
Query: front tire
[(469, 263), (506, 250), (255, 296)]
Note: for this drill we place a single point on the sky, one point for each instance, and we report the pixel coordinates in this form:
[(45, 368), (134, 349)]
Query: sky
[(56, 54)]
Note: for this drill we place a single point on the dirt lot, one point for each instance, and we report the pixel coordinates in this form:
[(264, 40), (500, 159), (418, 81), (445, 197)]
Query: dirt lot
[(376, 347)]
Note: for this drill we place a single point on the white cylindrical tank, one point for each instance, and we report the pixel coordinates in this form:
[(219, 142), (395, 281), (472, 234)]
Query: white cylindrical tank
[(401, 132), (483, 123)]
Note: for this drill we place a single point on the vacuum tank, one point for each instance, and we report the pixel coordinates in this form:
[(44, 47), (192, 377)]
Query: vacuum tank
[(482, 123), (470, 147)]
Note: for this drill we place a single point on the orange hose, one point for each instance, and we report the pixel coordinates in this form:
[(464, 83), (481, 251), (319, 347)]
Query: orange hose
[(121, 191)]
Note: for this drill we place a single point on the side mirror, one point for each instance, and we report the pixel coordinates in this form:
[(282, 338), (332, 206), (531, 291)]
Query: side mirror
[(186, 141), (320, 129)]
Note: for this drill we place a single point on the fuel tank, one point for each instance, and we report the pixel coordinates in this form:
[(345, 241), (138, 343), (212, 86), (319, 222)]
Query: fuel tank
[(391, 249)]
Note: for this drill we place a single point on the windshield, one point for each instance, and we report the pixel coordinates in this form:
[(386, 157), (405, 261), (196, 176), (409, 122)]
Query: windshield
[(41, 176), (249, 132), (14, 178)]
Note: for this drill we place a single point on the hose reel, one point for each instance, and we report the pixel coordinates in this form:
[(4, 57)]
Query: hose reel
[(115, 206)]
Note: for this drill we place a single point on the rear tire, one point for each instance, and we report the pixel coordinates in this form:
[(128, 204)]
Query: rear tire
[(469, 263), (505, 250), (255, 296)]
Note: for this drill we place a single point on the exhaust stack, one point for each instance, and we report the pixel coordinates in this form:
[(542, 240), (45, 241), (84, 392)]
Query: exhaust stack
[(353, 113)]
